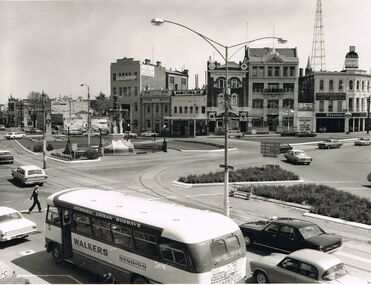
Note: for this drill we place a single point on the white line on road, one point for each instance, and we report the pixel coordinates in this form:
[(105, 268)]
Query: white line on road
[(352, 256), (50, 275), (203, 195)]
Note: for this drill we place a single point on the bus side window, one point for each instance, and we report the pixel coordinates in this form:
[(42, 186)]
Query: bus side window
[(101, 229), (146, 243), (82, 224), (122, 236), (53, 217), (173, 255)]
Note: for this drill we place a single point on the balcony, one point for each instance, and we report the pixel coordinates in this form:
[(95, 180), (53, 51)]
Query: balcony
[(273, 91)]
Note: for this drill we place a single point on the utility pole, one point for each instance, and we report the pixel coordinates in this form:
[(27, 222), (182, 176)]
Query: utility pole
[(44, 130)]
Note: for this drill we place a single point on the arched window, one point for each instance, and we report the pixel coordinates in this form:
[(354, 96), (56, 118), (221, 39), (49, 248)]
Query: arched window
[(234, 100), (340, 84), (234, 83), (221, 99), (350, 84), (220, 82), (321, 85), (357, 84), (331, 85)]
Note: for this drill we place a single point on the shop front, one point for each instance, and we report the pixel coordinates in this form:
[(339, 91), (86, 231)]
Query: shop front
[(330, 122)]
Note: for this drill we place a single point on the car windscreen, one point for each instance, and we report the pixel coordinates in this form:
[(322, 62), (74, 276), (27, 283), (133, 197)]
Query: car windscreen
[(310, 231), (34, 171), (10, 216), (335, 272)]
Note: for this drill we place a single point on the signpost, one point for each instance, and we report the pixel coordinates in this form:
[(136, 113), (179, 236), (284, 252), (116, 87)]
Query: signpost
[(270, 149)]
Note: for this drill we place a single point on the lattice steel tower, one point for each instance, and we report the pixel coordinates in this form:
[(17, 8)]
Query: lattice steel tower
[(318, 58)]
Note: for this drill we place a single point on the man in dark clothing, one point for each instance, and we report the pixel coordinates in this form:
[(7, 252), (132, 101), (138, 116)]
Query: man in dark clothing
[(35, 197)]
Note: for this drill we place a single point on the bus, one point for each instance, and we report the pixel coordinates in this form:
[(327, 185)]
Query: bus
[(138, 240)]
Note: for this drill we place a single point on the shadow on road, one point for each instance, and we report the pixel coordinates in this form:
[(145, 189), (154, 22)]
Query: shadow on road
[(13, 242), (42, 265)]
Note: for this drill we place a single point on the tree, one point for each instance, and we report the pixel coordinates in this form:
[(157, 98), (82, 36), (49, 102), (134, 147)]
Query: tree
[(101, 104)]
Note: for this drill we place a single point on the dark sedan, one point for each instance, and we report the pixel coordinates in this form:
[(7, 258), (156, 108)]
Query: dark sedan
[(6, 157), (288, 234)]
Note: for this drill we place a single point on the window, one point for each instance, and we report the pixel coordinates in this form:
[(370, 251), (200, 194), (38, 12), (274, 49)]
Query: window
[(34, 171), (270, 70), (363, 85), (233, 244), (148, 109), (350, 84), (196, 109), (290, 264), (129, 91), (218, 249), (184, 81), (125, 89), (276, 71), (191, 109), (288, 87), (135, 90), (272, 104), (173, 255), (331, 85), (272, 228), (287, 232), (186, 110), (171, 79), (148, 124), (308, 270), (288, 103), (175, 109), (340, 84), (234, 83), (257, 87), (321, 106), (81, 224), (220, 83), (292, 70), (165, 108), (273, 86), (330, 106), (257, 103), (180, 110), (340, 106), (136, 107), (234, 100), (114, 76), (120, 91), (145, 243), (101, 230), (310, 231), (261, 71), (203, 109), (254, 72), (122, 236), (285, 71), (357, 104), (321, 87), (53, 216), (157, 109), (357, 84), (335, 272)]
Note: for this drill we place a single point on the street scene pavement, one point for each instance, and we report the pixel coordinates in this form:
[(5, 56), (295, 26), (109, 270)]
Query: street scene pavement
[(153, 176)]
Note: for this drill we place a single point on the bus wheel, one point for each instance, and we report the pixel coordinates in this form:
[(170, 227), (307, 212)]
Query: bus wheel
[(140, 280), (57, 255)]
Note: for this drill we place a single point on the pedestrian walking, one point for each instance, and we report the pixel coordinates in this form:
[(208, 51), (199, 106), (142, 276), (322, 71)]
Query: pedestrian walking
[(35, 197)]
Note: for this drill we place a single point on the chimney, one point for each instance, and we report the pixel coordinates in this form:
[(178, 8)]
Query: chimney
[(300, 72), (185, 71), (158, 63), (196, 81), (352, 48), (147, 61)]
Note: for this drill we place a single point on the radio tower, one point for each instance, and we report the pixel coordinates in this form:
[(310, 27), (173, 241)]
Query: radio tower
[(318, 58)]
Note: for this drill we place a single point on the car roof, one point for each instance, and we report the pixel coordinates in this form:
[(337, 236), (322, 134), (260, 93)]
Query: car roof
[(321, 259), (29, 167), (6, 210), (296, 223)]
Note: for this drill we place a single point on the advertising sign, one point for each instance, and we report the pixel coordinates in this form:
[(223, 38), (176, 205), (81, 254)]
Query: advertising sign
[(147, 70)]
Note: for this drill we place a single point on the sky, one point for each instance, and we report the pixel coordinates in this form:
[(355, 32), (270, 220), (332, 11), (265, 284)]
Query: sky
[(57, 45)]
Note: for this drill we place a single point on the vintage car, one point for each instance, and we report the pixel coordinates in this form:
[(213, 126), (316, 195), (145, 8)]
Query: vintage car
[(302, 266), (29, 174), (149, 134), (6, 157), (2, 128), (285, 147), (130, 135), (362, 141), (330, 143), (298, 156), (305, 134), (235, 134), (13, 225), (14, 135), (289, 234)]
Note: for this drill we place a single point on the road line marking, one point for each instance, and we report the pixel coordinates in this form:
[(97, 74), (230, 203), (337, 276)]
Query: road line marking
[(352, 256), (50, 275), (203, 195)]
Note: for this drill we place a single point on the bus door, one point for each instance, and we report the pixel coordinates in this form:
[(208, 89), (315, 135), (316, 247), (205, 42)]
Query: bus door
[(66, 233)]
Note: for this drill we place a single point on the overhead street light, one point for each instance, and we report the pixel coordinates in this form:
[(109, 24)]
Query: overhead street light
[(88, 129), (215, 45)]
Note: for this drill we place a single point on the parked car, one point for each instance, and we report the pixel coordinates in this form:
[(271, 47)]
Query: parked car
[(235, 134), (305, 134), (8, 276), (302, 266), (149, 134), (289, 234), (2, 128), (29, 174), (15, 135), (13, 225), (287, 133), (6, 157), (362, 141), (297, 156), (330, 143), (285, 147), (130, 135)]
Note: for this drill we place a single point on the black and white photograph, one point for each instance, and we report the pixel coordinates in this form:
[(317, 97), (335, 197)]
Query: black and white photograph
[(185, 141)]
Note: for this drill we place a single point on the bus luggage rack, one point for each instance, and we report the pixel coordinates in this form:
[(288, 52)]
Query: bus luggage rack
[(241, 191)]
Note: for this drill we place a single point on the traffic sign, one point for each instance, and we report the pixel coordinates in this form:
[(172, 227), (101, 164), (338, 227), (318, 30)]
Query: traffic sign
[(229, 166)]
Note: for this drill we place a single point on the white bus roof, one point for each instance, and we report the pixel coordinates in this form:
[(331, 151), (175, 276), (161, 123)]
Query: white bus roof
[(179, 223)]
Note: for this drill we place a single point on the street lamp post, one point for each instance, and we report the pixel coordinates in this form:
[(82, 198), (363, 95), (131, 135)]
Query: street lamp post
[(214, 44), (44, 131), (368, 114), (164, 143), (84, 84)]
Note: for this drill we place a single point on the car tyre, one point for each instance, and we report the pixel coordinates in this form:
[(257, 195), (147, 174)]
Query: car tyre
[(57, 254), (140, 280), (261, 277)]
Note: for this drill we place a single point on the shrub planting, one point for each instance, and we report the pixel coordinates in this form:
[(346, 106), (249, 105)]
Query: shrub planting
[(265, 173), (38, 148), (91, 154), (324, 200), (49, 147)]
